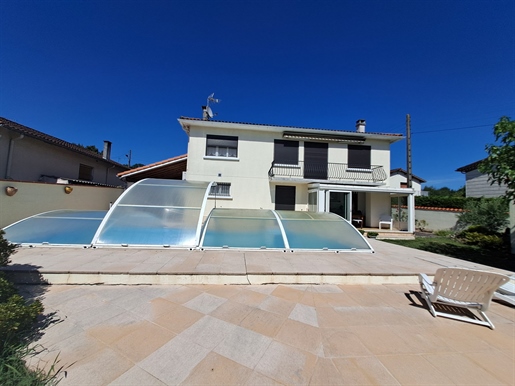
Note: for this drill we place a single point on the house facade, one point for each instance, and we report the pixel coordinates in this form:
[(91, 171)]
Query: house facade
[(399, 179), (477, 184), (290, 168), (30, 155)]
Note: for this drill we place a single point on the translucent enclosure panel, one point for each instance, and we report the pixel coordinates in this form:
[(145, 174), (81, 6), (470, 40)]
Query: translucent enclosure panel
[(242, 228), (134, 225), (60, 227), (320, 230), (165, 195), (155, 212)]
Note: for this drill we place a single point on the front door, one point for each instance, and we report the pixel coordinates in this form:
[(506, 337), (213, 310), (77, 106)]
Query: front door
[(284, 197), (315, 160)]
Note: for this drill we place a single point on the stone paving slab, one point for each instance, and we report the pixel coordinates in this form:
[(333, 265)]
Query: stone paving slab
[(389, 264), (269, 334)]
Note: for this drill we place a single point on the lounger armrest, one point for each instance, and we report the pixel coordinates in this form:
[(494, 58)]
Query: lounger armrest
[(426, 283)]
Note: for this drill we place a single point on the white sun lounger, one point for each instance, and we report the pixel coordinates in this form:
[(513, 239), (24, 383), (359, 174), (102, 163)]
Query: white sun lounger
[(506, 292), (464, 288)]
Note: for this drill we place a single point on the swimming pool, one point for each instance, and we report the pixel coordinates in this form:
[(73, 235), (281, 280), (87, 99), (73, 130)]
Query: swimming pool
[(156, 213)]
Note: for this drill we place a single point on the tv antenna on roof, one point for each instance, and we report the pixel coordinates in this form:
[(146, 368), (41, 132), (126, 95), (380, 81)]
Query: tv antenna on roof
[(207, 113)]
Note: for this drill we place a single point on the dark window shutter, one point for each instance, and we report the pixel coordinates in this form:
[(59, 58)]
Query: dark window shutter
[(286, 152), (359, 156), (284, 197), (222, 141), (315, 160)]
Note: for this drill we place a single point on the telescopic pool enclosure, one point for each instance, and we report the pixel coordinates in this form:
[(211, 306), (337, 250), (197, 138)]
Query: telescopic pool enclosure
[(155, 213)]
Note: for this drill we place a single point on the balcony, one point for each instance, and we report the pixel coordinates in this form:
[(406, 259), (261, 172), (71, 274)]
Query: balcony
[(336, 172)]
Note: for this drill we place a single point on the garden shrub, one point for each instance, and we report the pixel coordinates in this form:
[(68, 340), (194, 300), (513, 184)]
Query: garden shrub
[(444, 233), (490, 213), (481, 240), (6, 249), (16, 315), (17, 326)]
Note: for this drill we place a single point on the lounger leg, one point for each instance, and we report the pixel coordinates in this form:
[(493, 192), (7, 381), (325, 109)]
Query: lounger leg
[(485, 318)]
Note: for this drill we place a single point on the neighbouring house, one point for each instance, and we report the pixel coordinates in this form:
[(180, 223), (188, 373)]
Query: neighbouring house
[(172, 168), (293, 168), (399, 179), (30, 155), (477, 184)]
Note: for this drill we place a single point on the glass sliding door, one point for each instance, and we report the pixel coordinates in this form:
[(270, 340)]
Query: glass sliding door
[(339, 203)]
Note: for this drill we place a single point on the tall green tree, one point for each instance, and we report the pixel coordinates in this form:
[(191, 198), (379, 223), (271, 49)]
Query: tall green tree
[(500, 163)]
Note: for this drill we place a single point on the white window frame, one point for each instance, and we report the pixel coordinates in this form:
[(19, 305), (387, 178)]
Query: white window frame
[(223, 191)]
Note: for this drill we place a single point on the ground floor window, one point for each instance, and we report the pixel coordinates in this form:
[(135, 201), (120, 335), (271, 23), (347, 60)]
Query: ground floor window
[(284, 197), (221, 189)]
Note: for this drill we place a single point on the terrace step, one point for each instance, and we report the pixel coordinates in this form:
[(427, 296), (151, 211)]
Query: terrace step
[(392, 235)]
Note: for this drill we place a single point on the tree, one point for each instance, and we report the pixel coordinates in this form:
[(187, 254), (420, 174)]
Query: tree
[(500, 163), (444, 192), (92, 148), (491, 213)]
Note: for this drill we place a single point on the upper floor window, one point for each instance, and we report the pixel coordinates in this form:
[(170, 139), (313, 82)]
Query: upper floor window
[(286, 152), (359, 156), (221, 146), (85, 172)]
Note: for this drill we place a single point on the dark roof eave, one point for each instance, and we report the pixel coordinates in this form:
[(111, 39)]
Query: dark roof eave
[(469, 167), (40, 136), (394, 136)]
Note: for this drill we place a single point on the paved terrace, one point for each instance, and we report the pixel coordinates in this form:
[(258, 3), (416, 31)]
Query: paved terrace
[(389, 264), (369, 327)]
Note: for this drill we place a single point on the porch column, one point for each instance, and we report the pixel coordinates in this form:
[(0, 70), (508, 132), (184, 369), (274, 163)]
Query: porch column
[(411, 213)]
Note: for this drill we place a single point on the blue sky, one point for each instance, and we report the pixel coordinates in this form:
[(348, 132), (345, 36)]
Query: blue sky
[(124, 71)]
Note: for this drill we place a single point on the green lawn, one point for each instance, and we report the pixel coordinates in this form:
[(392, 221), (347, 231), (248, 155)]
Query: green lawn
[(453, 248)]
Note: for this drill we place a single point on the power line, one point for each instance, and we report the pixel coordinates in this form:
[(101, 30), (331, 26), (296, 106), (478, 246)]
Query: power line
[(451, 129)]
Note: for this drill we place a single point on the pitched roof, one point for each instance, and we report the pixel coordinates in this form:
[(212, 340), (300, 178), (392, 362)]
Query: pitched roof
[(469, 167), (294, 127), (27, 131), (169, 168), (405, 174)]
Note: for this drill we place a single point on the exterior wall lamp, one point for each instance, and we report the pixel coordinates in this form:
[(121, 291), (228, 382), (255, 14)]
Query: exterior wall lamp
[(10, 190), (68, 189)]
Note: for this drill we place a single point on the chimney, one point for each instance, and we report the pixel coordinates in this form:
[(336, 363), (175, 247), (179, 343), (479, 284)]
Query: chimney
[(106, 154), (205, 115), (360, 125)]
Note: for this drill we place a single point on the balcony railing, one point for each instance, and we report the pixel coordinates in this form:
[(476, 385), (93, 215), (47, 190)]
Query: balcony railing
[(328, 172)]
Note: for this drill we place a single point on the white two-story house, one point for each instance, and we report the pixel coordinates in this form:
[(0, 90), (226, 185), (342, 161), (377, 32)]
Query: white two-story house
[(292, 168)]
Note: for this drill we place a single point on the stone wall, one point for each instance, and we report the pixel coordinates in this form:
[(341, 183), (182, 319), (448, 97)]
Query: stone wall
[(435, 218)]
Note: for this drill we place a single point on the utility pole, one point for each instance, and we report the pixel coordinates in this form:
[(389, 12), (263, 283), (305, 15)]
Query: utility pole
[(408, 149), (129, 157)]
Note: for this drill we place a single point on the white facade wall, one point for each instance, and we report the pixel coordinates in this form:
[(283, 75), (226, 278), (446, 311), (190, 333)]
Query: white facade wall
[(248, 173), (251, 186), (477, 185), (377, 205)]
